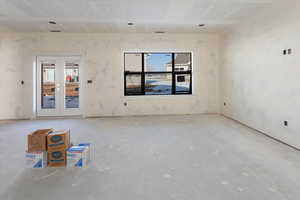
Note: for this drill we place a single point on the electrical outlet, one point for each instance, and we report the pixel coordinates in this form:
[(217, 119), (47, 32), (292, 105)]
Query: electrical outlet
[(285, 123), (89, 81), (224, 103), (125, 103), (284, 52), (22, 82), (289, 51)]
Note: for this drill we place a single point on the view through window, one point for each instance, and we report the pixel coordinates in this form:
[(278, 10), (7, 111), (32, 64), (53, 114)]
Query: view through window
[(158, 73)]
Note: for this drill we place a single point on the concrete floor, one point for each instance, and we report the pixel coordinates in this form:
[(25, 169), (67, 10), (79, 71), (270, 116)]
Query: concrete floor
[(169, 157)]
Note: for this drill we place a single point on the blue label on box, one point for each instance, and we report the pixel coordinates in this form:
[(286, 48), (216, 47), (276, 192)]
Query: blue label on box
[(57, 144), (76, 149), (79, 163), (84, 144), (39, 164), (56, 138)]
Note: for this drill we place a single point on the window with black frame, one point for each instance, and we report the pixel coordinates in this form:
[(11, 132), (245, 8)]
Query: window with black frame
[(157, 73)]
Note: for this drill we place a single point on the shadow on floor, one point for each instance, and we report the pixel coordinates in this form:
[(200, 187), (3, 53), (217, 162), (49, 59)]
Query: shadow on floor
[(54, 183)]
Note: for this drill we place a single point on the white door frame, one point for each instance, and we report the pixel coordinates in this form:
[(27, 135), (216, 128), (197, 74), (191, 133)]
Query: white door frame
[(60, 109)]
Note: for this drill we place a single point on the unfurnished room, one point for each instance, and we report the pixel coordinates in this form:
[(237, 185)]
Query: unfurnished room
[(149, 100)]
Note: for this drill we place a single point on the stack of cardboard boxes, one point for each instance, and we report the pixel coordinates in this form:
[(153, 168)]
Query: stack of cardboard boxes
[(58, 142), (51, 148), (36, 154)]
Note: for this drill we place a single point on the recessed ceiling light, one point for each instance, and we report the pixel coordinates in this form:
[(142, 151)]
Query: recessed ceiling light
[(159, 32), (130, 24), (55, 31), (201, 25), (52, 22)]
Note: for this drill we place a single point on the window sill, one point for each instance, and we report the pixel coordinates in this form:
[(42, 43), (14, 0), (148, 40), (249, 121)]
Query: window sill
[(142, 97)]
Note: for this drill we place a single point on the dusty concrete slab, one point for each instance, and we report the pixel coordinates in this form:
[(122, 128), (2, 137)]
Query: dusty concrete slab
[(165, 157)]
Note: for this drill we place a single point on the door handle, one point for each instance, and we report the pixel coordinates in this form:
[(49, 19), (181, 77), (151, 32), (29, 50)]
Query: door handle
[(57, 86)]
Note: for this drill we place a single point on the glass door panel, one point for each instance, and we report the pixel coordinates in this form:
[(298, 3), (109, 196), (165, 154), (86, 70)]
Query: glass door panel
[(48, 86), (72, 85)]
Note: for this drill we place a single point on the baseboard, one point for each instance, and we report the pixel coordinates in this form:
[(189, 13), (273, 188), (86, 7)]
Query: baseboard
[(59, 117), (12, 119), (263, 133), (146, 115)]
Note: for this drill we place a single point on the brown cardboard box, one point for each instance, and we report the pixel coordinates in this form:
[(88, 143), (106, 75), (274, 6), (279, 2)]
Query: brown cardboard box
[(58, 140), (37, 140), (57, 158)]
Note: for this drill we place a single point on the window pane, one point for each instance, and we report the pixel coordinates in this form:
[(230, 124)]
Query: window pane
[(159, 62), (133, 62), (48, 86), (71, 85), (133, 84), (183, 62), (160, 84), (183, 83)]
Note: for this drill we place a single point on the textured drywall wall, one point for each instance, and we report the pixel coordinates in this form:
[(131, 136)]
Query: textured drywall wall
[(103, 63), (261, 86)]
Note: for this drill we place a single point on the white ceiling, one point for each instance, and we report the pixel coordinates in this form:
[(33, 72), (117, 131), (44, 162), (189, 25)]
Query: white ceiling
[(113, 15)]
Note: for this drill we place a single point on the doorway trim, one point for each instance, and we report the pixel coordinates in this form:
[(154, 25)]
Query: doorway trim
[(35, 84)]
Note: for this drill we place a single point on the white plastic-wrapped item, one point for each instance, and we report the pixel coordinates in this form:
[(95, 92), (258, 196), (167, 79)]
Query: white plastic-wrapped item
[(77, 156), (36, 159), (90, 151)]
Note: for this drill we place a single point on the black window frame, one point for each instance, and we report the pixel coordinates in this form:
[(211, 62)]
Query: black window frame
[(142, 73)]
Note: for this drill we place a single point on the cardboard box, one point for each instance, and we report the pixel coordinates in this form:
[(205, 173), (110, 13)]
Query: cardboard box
[(36, 159), (58, 140), (77, 156), (37, 141), (57, 158)]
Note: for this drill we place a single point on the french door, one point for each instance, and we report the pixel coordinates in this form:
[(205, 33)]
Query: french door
[(58, 85)]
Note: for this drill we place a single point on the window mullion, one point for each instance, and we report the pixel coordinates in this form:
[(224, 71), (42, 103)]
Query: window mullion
[(173, 74), (191, 74), (143, 74)]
